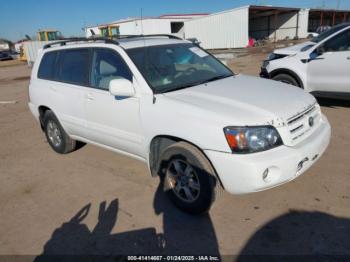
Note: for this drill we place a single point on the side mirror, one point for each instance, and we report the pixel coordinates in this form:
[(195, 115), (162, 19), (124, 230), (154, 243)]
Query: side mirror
[(317, 52), (121, 87), (313, 55)]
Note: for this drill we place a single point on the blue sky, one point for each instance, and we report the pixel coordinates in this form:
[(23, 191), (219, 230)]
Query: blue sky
[(69, 16)]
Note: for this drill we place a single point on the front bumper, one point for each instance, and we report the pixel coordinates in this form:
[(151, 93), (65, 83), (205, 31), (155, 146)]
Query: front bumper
[(242, 174), (264, 73), (34, 110)]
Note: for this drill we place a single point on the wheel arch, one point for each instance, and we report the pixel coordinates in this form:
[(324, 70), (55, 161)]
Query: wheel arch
[(157, 146), (288, 72), (42, 110)]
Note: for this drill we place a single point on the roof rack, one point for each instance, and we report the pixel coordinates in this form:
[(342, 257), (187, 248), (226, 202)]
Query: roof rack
[(150, 35), (107, 40), (81, 39)]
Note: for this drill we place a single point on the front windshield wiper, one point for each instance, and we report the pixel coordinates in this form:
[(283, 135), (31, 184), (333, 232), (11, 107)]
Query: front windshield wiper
[(214, 79), (196, 83)]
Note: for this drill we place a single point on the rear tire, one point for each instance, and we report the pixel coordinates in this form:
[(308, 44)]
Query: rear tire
[(188, 178), (58, 139), (285, 78)]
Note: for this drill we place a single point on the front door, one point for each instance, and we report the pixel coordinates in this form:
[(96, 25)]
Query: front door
[(330, 72), (111, 121)]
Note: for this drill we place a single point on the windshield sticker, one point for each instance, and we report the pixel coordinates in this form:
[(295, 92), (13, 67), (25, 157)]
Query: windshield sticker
[(198, 51)]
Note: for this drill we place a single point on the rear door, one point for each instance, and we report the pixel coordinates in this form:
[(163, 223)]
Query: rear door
[(330, 72), (67, 94), (112, 121)]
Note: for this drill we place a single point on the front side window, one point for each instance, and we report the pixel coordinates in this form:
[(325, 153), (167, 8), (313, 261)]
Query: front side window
[(171, 67), (47, 66), (115, 31), (74, 65), (42, 36), (104, 31), (52, 36), (328, 33), (338, 43), (106, 66)]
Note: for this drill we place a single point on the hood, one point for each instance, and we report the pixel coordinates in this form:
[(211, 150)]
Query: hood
[(245, 100), (292, 50)]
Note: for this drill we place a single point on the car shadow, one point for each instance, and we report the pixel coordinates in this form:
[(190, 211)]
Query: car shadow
[(74, 241), (300, 236), (182, 234), (333, 103)]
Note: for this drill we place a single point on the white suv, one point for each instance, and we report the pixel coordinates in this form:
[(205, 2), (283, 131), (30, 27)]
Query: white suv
[(321, 66), (172, 105)]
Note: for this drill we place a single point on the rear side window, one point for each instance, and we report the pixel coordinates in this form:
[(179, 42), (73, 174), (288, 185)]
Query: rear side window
[(47, 66), (73, 66)]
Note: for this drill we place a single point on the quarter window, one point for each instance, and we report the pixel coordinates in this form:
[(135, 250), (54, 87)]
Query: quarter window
[(47, 66), (74, 66), (106, 66)]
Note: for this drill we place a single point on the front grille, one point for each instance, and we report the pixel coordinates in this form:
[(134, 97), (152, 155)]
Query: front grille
[(299, 125)]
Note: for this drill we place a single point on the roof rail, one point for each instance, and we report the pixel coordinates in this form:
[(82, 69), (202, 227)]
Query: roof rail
[(107, 40), (142, 36), (81, 39)]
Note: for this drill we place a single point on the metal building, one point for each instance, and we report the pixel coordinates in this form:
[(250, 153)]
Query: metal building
[(233, 28), (165, 24), (326, 17)]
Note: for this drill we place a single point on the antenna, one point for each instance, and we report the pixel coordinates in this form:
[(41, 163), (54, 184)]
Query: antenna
[(338, 4), (141, 22)]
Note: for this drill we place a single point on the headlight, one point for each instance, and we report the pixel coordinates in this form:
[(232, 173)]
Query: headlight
[(271, 56), (252, 139), (274, 56)]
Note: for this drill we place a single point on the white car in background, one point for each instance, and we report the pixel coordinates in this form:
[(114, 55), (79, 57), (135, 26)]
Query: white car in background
[(320, 66), (174, 106)]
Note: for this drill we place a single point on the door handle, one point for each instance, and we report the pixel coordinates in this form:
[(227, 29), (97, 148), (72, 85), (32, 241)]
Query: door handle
[(89, 96), (348, 58)]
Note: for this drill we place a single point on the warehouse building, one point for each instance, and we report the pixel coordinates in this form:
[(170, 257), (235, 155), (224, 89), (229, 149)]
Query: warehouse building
[(326, 17), (165, 24), (233, 28)]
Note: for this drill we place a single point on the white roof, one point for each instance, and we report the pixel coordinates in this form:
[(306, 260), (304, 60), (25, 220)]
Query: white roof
[(124, 43), (149, 41)]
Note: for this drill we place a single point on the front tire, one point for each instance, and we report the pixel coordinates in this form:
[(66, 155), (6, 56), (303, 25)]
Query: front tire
[(189, 179), (285, 78), (58, 139)]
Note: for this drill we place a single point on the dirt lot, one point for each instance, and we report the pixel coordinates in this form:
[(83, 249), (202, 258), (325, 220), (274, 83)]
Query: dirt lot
[(96, 202)]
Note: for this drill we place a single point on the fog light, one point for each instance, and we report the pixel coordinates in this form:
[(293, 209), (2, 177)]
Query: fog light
[(265, 174)]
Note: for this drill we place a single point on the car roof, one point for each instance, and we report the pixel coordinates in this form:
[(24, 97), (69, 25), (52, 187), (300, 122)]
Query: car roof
[(127, 42)]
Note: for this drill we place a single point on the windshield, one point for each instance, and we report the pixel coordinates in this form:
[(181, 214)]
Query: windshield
[(171, 67), (329, 32)]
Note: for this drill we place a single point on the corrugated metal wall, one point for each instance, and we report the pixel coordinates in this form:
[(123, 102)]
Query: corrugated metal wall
[(303, 23), (286, 26), (137, 27), (221, 30)]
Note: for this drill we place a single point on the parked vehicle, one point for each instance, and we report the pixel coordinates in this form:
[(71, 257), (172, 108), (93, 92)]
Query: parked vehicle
[(312, 34), (323, 28), (169, 103), (4, 55), (321, 66)]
